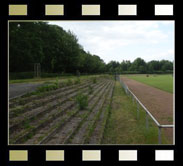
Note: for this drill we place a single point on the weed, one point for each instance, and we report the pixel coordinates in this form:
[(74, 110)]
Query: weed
[(21, 102), (90, 89), (70, 113), (27, 125), (69, 82), (29, 136), (94, 80), (82, 101), (47, 88), (18, 110), (77, 81), (131, 131), (29, 94), (57, 83), (70, 99)]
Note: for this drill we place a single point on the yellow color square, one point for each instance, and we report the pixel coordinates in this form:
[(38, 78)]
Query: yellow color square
[(54, 10), (18, 155), (55, 155), (15, 10), (90, 10)]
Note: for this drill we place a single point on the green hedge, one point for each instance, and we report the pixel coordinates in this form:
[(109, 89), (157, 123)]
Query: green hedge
[(29, 75), (22, 75)]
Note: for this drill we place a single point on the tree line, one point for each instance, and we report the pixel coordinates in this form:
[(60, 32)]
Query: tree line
[(58, 51), (140, 66)]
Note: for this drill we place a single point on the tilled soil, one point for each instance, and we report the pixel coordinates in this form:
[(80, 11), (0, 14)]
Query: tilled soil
[(54, 118), (158, 102)]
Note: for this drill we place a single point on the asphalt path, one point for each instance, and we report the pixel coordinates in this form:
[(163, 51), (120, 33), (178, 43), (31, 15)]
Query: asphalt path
[(19, 89)]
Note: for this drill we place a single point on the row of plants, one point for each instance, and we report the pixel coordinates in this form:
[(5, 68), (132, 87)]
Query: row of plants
[(82, 99)]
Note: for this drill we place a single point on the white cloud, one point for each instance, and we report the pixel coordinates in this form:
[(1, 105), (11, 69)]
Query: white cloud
[(110, 39)]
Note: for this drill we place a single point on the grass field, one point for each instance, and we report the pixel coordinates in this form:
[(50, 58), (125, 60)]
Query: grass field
[(163, 82), (122, 125)]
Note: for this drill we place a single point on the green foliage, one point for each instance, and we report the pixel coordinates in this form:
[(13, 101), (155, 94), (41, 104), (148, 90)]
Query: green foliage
[(139, 66), (94, 80), (57, 83), (77, 81), (82, 101), (54, 48), (26, 124), (69, 82), (58, 51), (90, 89), (130, 131), (46, 88)]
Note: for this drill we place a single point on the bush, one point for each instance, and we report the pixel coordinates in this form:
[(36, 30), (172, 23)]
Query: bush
[(69, 82), (82, 101), (94, 80), (90, 89), (57, 82), (77, 81), (47, 88)]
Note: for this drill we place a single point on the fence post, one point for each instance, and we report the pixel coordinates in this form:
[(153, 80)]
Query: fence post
[(147, 121), (159, 134)]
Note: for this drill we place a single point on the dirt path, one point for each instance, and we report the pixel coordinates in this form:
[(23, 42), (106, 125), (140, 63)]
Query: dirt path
[(158, 102), (19, 89)]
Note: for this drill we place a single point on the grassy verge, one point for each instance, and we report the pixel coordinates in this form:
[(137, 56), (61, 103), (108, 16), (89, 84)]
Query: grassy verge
[(50, 79), (163, 82), (122, 125)]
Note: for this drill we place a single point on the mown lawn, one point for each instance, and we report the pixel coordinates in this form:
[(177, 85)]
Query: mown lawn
[(123, 127), (163, 82)]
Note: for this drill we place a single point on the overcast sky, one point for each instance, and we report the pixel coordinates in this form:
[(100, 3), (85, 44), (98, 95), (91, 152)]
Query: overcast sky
[(124, 40)]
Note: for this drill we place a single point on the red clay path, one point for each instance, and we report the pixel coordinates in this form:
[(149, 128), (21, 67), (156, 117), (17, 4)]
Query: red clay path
[(158, 102)]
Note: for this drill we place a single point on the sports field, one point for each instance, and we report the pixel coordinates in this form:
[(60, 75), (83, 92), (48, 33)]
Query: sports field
[(163, 82)]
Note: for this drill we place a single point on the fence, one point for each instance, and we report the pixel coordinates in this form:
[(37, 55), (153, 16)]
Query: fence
[(148, 114)]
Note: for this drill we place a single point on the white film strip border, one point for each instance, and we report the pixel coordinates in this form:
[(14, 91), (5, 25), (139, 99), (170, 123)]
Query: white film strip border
[(92, 10), (91, 155)]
